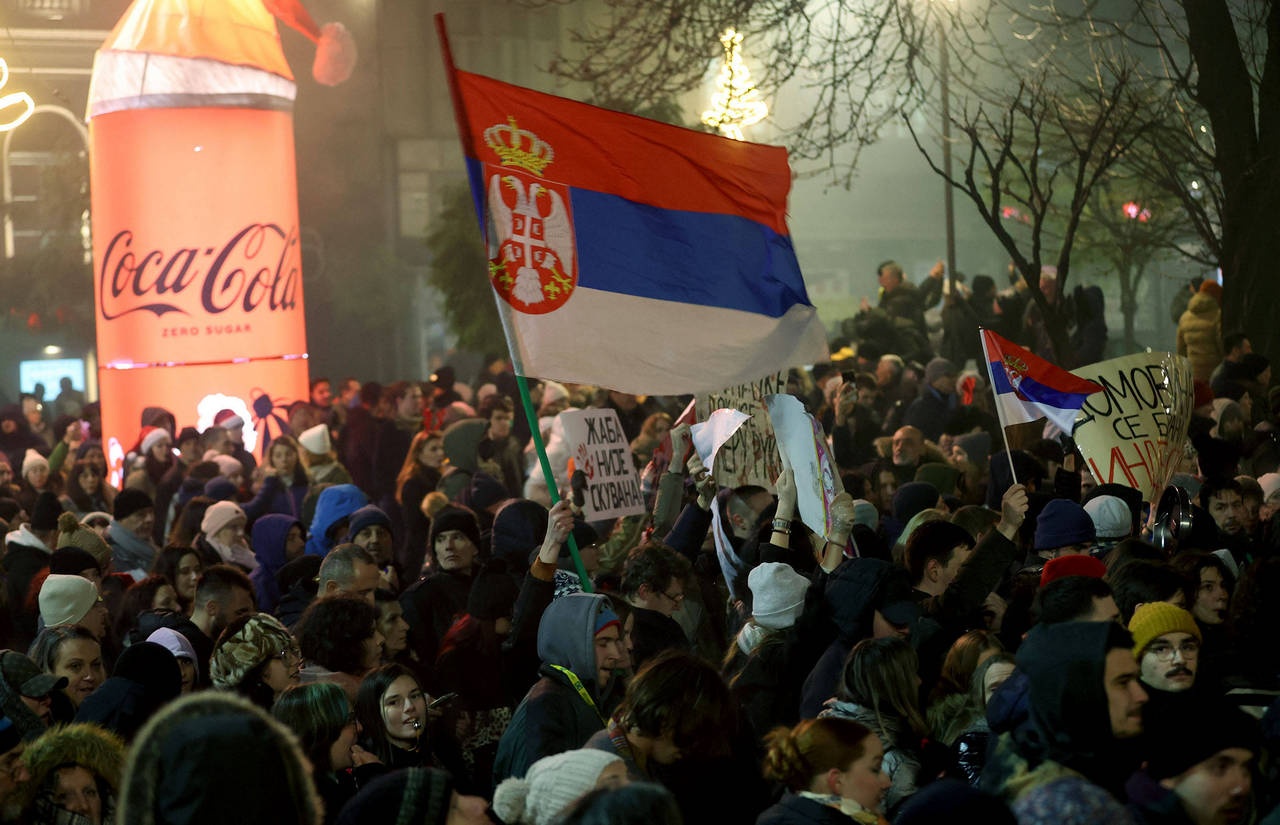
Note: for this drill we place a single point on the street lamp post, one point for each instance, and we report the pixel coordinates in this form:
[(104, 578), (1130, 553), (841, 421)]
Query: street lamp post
[(948, 205)]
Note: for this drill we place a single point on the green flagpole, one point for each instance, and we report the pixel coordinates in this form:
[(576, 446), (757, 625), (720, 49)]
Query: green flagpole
[(529, 412), (552, 489)]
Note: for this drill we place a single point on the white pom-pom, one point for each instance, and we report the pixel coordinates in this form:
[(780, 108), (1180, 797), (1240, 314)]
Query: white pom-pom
[(335, 55)]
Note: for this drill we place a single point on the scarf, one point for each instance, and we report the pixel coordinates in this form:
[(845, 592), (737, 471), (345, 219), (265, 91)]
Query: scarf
[(236, 554), (848, 807), (131, 554)]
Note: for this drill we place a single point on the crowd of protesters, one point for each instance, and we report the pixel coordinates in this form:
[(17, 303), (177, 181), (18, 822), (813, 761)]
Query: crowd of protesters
[(383, 621)]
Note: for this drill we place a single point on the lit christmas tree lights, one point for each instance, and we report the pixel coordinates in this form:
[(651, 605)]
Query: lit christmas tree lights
[(736, 102)]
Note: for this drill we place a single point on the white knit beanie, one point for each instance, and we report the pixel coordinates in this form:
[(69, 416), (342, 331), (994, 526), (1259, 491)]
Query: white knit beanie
[(551, 785), (33, 459), (777, 595), (316, 440), (1112, 518), (66, 599)]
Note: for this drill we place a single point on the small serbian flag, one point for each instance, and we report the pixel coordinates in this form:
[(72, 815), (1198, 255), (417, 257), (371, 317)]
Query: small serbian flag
[(1028, 388), (632, 254)]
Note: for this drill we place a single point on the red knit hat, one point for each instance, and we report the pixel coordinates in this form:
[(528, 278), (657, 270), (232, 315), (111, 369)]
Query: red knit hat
[(1073, 565)]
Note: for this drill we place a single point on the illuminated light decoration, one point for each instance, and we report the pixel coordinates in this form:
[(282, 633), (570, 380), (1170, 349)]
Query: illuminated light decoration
[(736, 102), (1011, 213), (9, 120), (1135, 211), (207, 409)]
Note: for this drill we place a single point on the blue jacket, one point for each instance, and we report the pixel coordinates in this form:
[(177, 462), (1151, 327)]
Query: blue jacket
[(334, 504), (268, 541)]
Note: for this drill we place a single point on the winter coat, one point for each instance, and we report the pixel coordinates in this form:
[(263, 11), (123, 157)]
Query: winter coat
[(554, 717), (275, 497), (1067, 732), (431, 605), (904, 302), (767, 683), (970, 750), (901, 748), (26, 556), (849, 596), (1049, 793), (333, 505), (213, 758), (1200, 335), (101, 752), (268, 540), (417, 527), (1153, 804), (794, 809)]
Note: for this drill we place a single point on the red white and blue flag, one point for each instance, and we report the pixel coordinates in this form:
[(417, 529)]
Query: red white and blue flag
[(632, 254), (1028, 388)]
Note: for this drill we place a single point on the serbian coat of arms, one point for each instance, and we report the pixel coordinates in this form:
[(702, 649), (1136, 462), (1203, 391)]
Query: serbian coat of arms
[(532, 264)]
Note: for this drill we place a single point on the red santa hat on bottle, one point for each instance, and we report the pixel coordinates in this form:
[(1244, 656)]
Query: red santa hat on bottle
[(335, 48), (164, 47)]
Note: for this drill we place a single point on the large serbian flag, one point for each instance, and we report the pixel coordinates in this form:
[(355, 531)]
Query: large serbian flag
[(632, 254), (1028, 388)]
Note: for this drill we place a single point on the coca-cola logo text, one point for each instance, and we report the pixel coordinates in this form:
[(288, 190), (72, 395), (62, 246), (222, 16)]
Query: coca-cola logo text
[(256, 266)]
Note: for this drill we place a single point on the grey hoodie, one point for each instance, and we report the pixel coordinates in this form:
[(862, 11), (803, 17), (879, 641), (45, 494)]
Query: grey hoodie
[(553, 718), (567, 636)]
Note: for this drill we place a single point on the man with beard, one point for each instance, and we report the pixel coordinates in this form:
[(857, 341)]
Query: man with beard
[(907, 449), (1064, 766), (1225, 502), (1199, 767), (1166, 643), (223, 594)]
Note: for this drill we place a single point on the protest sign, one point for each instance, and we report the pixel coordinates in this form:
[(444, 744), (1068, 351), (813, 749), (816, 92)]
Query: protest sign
[(803, 447), (600, 450), (1135, 430), (751, 455)]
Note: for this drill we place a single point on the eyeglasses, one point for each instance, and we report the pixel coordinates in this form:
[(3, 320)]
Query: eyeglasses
[(1164, 651), (287, 653), (676, 599)]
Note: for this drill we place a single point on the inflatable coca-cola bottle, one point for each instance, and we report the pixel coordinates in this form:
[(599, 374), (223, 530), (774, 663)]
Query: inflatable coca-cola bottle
[(197, 264)]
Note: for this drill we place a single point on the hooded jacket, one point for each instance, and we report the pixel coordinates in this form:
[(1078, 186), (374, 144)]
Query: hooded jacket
[(333, 505), (269, 533), (212, 758), (1065, 751), (554, 717), (99, 751)]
